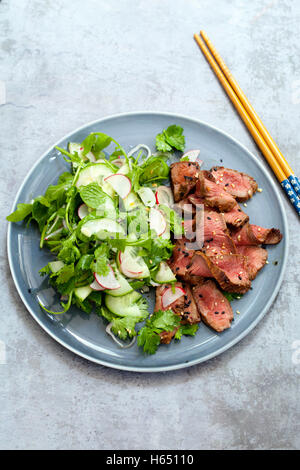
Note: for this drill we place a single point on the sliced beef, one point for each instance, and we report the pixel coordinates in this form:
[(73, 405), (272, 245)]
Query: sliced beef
[(212, 234), (215, 310), (184, 176), (230, 271), (238, 184), (254, 235), (185, 208), (189, 228), (184, 306), (236, 218), (214, 194), (256, 258), (167, 336), (198, 267), (181, 257)]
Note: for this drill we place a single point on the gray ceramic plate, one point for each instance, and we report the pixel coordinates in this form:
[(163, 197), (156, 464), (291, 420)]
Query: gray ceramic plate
[(85, 335)]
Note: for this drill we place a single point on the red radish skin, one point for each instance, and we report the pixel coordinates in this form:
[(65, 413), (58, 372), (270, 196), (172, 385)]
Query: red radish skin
[(136, 273), (109, 281), (169, 296), (163, 193), (121, 184), (155, 216)]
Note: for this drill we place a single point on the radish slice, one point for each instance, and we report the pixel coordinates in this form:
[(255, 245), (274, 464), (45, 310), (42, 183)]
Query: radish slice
[(171, 295), (82, 211), (192, 155), (127, 272), (157, 221), (147, 196), (120, 183), (108, 281), (164, 195), (96, 286)]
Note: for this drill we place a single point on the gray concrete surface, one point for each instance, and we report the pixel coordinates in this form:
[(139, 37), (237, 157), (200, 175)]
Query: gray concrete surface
[(65, 63)]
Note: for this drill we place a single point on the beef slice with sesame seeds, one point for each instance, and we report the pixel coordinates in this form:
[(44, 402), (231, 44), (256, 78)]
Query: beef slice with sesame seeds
[(214, 194), (212, 230), (256, 258), (230, 271), (251, 234), (215, 310), (240, 185), (181, 257), (184, 176), (236, 218)]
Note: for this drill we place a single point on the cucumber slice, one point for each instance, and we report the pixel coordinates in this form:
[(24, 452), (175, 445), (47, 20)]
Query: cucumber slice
[(107, 209), (101, 228), (82, 292), (132, 265), (56, 266), (124, 288), (164, 274), (127, 305), (131, 202), (108, 189), (124, 170), (93, 173), (73, 147)]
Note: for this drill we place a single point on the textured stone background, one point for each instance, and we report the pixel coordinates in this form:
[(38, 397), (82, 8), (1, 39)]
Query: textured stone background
[(65, 63)]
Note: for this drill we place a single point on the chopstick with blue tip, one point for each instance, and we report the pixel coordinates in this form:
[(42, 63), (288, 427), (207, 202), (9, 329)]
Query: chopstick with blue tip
[(289, 182)]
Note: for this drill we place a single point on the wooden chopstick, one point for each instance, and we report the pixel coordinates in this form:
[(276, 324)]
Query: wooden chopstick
[(252, 113), (274, 164)]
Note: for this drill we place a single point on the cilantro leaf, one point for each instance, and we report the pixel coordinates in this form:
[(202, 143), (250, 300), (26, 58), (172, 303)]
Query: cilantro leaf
[(174, 136), (101, 260), (22, 211), (170, 139), (160, 321), (162, 144), (190, 330), (148, 339)]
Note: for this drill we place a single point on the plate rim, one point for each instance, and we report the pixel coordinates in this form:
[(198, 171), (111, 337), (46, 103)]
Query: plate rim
[(181, 365)]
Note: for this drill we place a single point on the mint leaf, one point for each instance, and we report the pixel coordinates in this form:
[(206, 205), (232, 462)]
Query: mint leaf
[(22, 211), (92, 195)]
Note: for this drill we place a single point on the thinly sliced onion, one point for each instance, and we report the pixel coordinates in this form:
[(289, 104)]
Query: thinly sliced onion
[(116, 340), (53, 225), (53, 234), (137, 148)]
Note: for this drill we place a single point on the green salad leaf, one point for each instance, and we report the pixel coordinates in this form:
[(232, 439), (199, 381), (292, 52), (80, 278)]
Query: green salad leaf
[(170, 139)]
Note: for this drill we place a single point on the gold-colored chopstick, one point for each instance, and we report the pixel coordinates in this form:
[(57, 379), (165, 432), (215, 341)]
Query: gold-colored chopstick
[(282, 177)]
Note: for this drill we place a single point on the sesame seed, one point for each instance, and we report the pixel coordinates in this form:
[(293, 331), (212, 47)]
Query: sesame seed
[(238, 312), (259, 190), (233, 185), (245, 205), (267, 262)]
